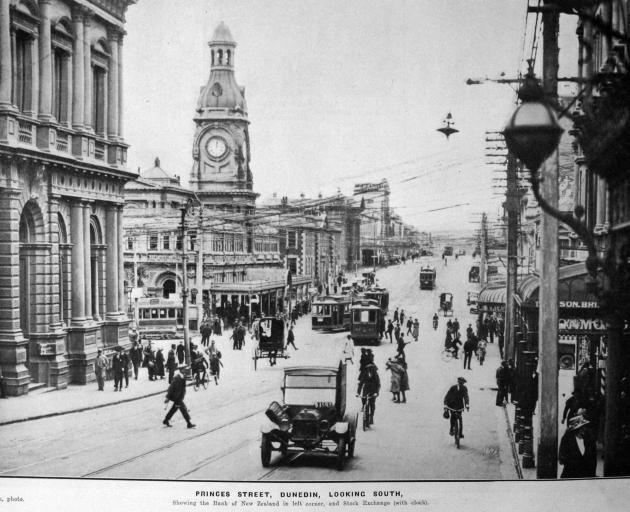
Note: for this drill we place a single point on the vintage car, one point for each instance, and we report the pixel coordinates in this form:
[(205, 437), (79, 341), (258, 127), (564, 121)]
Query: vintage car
[(312, 417)]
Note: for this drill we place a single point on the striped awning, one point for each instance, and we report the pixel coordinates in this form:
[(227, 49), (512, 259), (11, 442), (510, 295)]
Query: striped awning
[(495, 296)]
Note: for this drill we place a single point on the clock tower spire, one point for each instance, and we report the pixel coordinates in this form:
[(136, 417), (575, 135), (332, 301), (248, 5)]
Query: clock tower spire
[(221, 174)]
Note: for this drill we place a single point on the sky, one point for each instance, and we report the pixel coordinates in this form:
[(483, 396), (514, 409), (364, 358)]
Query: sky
[(340, 92)]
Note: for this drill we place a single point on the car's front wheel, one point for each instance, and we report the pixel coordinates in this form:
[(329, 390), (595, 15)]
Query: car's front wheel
[(341, 453), (265, 450)]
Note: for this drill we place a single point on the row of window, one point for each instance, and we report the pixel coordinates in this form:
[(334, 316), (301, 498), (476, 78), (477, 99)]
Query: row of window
[(23, 82)]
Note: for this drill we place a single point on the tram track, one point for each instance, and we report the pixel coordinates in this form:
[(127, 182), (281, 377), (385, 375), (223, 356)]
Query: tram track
[(178, 442)]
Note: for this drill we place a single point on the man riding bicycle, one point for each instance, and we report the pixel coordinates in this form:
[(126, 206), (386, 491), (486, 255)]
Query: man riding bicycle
[(369, 387), (455, 400), (198, 366)]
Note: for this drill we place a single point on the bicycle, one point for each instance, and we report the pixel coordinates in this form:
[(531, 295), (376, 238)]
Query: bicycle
[(447, 355), (367, 408), (456, 423), (201, 380)]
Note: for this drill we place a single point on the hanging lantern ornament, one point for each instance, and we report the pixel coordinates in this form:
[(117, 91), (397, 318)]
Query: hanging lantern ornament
[(448, 129)]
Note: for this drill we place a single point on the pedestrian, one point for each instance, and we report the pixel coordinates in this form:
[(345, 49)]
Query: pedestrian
[(117, 368), (133, 335), (381, 327), (396, 375), (501, 337), (126, 363), (136, 358), (159, 364), (181, 352), (492, 328), (396, 316), (217, 326), (101, 364), (572, 405), (455, 346), (176, 393), (205, 331), (469, 348), (402, 317), (502, 377), (456, 327), (511, 379), (390, 330), (401, 346), (578, 450), (348, 350), (171, 362), (409, 326), (397, 332), (291, 338), (481, 351), (149, 361), (469, 331), (416, 329), (216, 364)]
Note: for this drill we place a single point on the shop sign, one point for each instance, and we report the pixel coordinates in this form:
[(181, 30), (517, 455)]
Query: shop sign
[(581, 324), (579, 304)]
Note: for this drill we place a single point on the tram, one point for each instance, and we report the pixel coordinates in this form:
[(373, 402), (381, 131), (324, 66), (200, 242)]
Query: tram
[(366, 317), (427, 278), (331, 312), (381, 296), (160, 318)]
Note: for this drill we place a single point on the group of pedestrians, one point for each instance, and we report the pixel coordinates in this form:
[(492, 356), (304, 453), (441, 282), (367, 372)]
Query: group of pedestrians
[(505, 378)]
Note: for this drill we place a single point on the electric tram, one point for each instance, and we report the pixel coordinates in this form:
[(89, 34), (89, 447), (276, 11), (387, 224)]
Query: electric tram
[(331, 312)]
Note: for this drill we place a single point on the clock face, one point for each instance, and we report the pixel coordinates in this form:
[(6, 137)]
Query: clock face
[(216, 147)]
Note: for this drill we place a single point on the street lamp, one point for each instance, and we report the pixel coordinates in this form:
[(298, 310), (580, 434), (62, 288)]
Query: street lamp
[(184, 211)]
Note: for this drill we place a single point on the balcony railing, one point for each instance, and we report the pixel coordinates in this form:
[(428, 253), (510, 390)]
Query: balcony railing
[(25, 131), (63, 141)]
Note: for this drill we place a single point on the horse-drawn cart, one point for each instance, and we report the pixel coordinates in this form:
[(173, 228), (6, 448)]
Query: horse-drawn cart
[(269, 331)]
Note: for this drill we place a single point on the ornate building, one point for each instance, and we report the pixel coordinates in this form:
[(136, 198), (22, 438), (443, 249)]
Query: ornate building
[(233, 260), (62, 175)]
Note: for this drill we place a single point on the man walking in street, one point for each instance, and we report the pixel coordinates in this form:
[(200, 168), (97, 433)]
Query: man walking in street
[(396, 315), (501, 337), (291, 338), (390, 330), (171, 362), (469, 347), (100, 369), (176, 393)]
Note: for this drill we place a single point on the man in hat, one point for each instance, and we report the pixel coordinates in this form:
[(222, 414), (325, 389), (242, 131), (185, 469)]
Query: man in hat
[(136, 357), (118, 366), (100, 369), (578, 451), (456, 399), (503, 381), (176, 393), (171, 362), (291, 338)]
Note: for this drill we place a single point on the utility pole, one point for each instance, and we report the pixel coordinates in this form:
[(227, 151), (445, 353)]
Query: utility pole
[(512, 255), (483, 249), (548, 303), (184, 210)]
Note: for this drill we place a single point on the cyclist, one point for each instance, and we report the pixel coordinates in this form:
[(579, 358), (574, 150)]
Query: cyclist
[(369, 387), (456, 399), (198, 366)]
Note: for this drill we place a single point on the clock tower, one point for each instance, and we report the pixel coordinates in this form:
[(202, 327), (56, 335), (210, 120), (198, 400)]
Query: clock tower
[(221, 175)]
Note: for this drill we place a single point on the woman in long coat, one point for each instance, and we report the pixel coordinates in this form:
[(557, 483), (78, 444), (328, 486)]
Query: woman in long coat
[(395, 386), (416, 329), (149, 361)]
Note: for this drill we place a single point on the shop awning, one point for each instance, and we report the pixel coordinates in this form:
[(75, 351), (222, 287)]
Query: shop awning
[(494, 297), (572, 288)]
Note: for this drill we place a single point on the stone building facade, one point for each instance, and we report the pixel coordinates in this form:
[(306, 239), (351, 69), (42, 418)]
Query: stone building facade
[(62, 176)]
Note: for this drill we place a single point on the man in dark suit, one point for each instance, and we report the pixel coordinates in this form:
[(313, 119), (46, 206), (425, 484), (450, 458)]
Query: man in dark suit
[(117, 367), (136, 358), (457, 398), (578, 451), (176, 393)]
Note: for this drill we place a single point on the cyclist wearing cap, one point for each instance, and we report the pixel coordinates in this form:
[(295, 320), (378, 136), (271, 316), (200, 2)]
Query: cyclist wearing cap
[(457, 398), (369, 386)]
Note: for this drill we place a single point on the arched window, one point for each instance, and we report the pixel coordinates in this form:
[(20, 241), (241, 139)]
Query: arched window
[(212, 56), (228, 55), (219, 57), (168, 287)]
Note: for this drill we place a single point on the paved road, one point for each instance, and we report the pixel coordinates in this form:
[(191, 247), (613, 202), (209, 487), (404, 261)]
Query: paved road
[(408, 441)]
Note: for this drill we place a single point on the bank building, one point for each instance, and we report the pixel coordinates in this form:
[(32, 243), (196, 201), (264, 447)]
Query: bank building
[(62, 177)]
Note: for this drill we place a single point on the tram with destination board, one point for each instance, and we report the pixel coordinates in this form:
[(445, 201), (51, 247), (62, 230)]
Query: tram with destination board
[(427, 278)]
